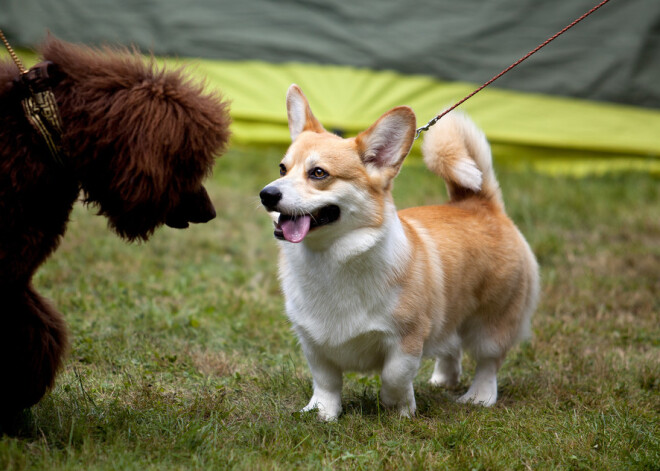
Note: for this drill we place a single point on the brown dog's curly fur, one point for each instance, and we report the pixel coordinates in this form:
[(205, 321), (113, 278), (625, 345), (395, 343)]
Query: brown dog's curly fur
[(138, 142)]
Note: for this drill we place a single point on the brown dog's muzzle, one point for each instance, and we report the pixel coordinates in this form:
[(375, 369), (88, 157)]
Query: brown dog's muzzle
[(194, 207)]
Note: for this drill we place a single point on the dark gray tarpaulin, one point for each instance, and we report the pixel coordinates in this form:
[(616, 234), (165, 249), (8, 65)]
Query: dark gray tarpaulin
[(613, 55)]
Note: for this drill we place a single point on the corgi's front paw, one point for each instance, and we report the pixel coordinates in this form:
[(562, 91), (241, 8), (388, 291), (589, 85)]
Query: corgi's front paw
[(406, 410), (328, 410), (405, 406)]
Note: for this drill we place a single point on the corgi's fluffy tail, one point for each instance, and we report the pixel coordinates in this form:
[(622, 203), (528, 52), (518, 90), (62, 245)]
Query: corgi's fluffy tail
[(455, 149)]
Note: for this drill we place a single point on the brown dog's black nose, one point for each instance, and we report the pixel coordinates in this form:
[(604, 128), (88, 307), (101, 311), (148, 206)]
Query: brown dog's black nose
[(270, 196), (194, 207)]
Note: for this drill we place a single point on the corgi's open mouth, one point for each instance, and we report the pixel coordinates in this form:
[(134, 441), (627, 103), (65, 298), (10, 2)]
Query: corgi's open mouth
[(295, 228)]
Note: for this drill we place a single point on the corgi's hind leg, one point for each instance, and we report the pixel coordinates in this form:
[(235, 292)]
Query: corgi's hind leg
[(447, 370), (483, 390), (489, 335)]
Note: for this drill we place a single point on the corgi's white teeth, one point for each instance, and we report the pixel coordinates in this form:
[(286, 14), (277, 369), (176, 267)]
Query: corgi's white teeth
[(295, 229)]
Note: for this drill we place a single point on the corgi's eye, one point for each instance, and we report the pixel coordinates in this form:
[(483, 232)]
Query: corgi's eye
[(317, 173), (282, 170)]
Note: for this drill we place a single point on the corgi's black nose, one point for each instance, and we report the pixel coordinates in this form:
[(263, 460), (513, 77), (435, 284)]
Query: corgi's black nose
[(270, 196)]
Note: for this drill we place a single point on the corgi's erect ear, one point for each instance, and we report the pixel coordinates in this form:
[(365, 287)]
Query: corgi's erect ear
[(387, 142), (299, 113)]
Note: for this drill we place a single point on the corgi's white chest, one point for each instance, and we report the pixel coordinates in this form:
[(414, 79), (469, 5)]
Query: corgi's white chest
[(345, 304), (332, 305)]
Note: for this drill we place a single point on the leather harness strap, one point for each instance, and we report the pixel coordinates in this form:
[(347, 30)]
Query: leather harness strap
[(40, 107), (38, 101)]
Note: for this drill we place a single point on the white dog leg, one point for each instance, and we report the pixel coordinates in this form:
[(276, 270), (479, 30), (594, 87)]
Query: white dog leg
[(397, 377), (327, 388), (447, 370), (483, 390)]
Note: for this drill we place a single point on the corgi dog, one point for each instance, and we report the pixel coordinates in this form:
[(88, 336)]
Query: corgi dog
[(368, 288)]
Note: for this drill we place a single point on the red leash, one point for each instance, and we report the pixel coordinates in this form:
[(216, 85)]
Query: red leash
[(526, 56), (13, 55)]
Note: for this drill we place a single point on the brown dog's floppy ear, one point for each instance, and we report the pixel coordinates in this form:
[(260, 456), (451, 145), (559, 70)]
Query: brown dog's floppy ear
[(299, 113), (387, 142)]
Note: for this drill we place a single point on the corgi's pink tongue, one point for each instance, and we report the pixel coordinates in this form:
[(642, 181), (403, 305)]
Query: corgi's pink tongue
[(295, 230)]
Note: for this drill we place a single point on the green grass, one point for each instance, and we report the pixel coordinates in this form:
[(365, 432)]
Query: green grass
[(182, 357)]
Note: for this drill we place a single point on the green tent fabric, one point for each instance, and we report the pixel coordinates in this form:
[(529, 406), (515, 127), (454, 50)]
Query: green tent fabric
[(614, 55), (357, 60), (551, 134)]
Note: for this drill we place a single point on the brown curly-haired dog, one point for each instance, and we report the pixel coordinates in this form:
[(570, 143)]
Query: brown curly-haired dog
[(137, 141)]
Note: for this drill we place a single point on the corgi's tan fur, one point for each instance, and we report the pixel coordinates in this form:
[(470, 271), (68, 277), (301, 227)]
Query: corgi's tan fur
[(368, 288)]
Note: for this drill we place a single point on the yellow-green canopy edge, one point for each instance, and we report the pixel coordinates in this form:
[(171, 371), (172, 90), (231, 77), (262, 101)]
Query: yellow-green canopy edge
[(549, 134), (554, 135)]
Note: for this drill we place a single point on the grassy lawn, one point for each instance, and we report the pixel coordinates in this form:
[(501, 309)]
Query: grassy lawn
[(182, 357)]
